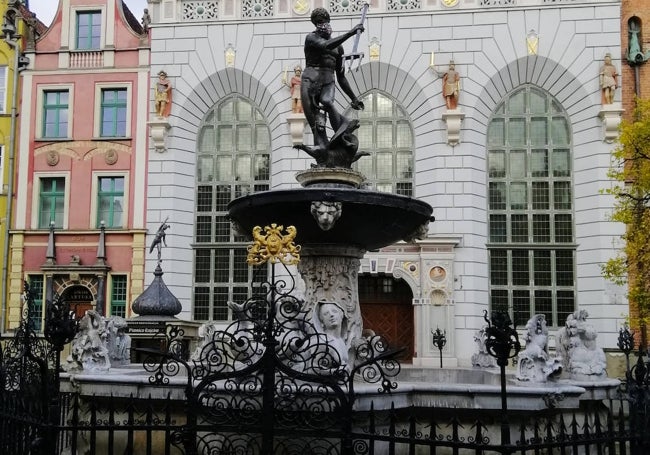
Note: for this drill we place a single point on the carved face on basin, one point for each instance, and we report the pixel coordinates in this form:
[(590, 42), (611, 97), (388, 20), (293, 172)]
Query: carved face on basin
[(326, 213)]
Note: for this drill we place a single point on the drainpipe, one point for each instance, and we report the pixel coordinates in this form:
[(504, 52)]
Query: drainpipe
[(13, 42)]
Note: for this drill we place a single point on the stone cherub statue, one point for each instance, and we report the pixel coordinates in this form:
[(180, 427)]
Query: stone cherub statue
[(534, 363), (324, 62)]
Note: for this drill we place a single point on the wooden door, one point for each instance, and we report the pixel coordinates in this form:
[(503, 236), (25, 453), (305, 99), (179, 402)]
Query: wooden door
[(387, 310)]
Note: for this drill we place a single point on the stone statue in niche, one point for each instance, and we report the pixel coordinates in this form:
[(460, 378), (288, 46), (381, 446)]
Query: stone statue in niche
[(329, 319), (326, 213), (583, 360), (481, 358), (608, 80), (534, 363), (119, 342), (89, 351), (324, 64)]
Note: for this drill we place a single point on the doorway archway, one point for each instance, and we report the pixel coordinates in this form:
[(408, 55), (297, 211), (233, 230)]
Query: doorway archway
[(80, 299), (387, 309)]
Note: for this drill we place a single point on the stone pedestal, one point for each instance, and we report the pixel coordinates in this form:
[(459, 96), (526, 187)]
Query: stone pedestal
[(453, 118), (611, 115), (158, 129), (296, 123)]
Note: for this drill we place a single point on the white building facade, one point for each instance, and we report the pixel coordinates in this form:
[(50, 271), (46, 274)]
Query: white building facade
[(514, 174)]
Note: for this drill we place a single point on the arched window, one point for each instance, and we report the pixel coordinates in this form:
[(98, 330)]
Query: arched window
[(530, 208), (386, 133), (232, 160)]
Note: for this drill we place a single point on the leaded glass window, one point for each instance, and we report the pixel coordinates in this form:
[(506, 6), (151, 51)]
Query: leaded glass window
[(530, 208), (118, 296), (234, 146), (36, 287), (385, 131)]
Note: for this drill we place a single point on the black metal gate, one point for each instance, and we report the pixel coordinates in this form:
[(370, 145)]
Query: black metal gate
[(272, 384)]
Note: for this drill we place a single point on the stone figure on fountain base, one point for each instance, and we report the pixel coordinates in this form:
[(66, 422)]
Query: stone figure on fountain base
[(583, 360), (89, 351), (481, 358), (534, 363)]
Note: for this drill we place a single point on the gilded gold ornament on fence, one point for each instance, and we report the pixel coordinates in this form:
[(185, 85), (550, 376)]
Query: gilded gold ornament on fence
[(270, 244)]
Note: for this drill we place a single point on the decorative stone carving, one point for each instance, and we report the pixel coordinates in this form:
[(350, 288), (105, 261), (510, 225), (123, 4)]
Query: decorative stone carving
[(326, 213), (330, 320), (481, 358), (334, 279), (534, 363), (296, 123), (611, 114), (89, 351), (110, 157), (200, 10), (119, 342), (52, 158), (158, 131), (453, 119), (583, 360)]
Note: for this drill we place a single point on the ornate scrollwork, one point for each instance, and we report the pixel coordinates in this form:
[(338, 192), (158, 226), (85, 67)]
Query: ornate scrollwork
[(169, 361), (270, 245)]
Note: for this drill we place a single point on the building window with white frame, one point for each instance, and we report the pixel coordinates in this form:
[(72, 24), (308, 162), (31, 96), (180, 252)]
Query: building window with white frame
[(55, 114), (113, 112), (531, 242), (234, 148), (3, 89), (385, 131), (110, 201), (51, 205), (89, 30)]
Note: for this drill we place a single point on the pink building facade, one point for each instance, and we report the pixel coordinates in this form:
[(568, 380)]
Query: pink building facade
[(79, 227)]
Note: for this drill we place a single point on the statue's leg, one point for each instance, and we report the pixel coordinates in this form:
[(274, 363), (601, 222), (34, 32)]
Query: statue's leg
[(327, 101), (308, 105)]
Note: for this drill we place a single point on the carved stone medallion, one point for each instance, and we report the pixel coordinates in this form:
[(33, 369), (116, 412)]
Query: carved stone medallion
[(52, 158), (110, 157)]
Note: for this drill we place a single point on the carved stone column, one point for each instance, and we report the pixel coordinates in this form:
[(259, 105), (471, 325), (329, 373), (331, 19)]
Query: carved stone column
[(331, 273)]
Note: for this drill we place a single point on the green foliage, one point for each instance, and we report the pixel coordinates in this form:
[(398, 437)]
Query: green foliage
[(631, 170)]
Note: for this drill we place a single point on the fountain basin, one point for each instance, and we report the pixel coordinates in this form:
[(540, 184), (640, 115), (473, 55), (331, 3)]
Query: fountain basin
[(369, 219)]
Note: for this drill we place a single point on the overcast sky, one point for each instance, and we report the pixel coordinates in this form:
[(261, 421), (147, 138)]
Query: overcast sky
[(45, 9)]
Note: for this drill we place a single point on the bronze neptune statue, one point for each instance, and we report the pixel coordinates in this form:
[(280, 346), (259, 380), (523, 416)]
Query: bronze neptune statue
[(324, 59)]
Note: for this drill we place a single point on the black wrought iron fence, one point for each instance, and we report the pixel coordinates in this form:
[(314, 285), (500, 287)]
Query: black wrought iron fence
[(264, 387)]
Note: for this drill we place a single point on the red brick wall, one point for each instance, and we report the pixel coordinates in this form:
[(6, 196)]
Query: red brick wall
[(640, 9)]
